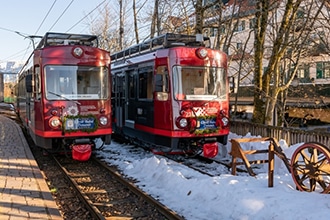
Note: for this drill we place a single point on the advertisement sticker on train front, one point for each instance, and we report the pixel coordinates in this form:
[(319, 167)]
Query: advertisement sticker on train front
[(80, 123), (207, 123)]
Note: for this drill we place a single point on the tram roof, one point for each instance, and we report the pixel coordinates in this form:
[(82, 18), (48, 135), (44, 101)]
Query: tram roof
[(54, 39), (167, 40)]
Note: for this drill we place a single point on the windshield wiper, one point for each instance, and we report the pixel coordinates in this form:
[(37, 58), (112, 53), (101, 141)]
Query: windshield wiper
[(61, 96)]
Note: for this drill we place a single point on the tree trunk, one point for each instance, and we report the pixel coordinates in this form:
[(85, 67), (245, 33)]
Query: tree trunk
[(154, 21), (121, 25), (199, 17), (262, 7), (136, 29)]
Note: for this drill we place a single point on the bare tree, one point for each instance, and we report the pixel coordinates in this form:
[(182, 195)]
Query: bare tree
[(174, 16), (136, 30), (103, 27), (200, 10), (322, 35), (155, 20), (289, 43), (121, 24), (280, 45), (262, 10), (107, 27)]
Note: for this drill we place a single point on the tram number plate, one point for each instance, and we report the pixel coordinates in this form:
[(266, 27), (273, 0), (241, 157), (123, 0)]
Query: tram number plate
[(79, 123), (207, 123)]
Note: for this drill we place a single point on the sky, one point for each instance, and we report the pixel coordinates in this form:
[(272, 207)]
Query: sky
[(224, 197), (36, 17)]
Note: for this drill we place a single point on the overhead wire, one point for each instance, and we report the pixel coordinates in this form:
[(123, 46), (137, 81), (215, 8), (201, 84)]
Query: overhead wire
[(9, 30), (85, 16), (21, 34), (93, 20), (26, 35), (51, 7), (61, 14)]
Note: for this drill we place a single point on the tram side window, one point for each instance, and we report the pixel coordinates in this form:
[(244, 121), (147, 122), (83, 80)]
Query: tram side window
[(145, 83), (131, 85), (161, 79), (37, 82), (30, 81)]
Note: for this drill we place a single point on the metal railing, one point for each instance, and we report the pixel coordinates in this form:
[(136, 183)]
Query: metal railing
[(290, 135)]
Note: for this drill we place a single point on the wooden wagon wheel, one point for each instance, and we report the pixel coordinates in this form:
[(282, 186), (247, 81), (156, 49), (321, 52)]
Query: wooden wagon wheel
[(310, 168)]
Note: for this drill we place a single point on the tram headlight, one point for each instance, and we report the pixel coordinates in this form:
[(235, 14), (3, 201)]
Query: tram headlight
[(55, 122), (103, 120), (77, 52), (162, 96), (182, 122), (201, 53)]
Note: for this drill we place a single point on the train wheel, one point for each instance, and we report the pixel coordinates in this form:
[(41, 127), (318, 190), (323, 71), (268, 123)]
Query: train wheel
[(310, 168)]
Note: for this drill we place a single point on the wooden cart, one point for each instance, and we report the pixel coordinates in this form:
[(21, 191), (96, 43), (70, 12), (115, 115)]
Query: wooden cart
[(309, 165)]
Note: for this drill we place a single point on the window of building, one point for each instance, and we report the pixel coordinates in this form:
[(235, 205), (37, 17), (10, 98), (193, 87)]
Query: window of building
[(239, 46), (239, 26), (214, 32), (301, 13), (322, 70), (222, 29), (252, 23), (303, 73)]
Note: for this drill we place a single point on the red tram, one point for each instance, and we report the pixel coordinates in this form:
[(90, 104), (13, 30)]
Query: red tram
[(170, 94), (64, 94)]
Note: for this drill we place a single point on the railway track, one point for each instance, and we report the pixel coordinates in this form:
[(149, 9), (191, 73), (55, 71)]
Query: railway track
[(108, 195), (207, 166)]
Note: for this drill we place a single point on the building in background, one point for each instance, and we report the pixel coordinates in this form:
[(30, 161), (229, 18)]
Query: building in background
[(231, 28), (8, 79)]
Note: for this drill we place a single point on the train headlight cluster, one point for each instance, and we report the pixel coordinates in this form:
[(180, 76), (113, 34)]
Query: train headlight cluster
[(77, 52), (201, 53), (182, 123), (188, 124), (103, 120), (55, 122)]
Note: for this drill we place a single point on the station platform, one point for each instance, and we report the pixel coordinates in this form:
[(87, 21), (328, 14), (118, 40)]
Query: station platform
[(24, 193)]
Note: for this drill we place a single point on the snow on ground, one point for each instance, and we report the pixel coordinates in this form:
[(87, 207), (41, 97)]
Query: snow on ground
[(196, 196)]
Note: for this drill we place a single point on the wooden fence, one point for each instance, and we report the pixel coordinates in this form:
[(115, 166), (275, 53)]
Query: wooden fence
[(290, 135)]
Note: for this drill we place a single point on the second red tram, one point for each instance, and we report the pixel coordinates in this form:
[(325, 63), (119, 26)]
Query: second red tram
[(63, 94), (170, 94)]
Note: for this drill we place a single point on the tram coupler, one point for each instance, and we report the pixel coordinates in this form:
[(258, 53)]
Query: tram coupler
[(82, 149)]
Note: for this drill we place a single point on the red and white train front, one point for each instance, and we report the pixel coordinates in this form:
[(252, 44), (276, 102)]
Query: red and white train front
[(199, 99), (172, 96), (64, 94)]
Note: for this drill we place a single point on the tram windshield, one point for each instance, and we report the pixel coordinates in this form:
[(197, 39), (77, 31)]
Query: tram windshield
[(199, 83), (76, 82)]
